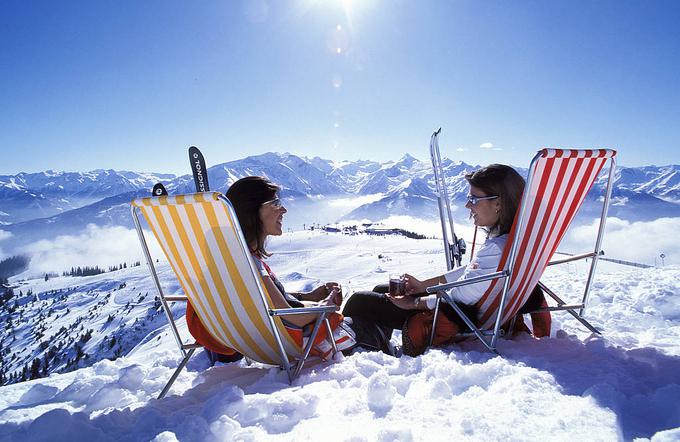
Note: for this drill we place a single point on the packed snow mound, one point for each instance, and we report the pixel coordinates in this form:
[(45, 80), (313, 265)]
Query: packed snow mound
[(560, 386)]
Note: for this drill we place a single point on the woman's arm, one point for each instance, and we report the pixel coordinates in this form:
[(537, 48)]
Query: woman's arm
[(415, 286), (334, 297), (485, 262), (319, 293), (408, 302), (280, 302)]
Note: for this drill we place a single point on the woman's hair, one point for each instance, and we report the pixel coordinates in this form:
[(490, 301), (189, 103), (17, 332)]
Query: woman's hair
[(507, 184), (247, 196)]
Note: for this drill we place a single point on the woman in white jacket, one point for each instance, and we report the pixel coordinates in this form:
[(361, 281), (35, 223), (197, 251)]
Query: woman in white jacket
[(495, 194)]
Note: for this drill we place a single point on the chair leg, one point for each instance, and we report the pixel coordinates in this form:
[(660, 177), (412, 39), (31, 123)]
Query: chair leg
[(182, 364), (434, 321), (310, 343), (578, 317), (473, 327), (329, 336)]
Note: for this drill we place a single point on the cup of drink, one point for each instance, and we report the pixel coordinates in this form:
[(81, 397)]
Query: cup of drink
[(397, 285)]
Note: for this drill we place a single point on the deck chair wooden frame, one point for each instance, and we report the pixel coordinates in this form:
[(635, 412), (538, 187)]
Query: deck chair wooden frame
[(203, 242), (557, 184)]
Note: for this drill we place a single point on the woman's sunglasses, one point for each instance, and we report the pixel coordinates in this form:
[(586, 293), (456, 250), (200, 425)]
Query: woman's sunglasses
[(276, 203), (473, 200)]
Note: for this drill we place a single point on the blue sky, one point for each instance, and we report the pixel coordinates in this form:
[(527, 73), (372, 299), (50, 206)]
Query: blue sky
[(131, 84)]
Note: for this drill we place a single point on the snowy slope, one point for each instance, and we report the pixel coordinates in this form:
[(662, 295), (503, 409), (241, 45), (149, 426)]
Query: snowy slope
[(622, 385)]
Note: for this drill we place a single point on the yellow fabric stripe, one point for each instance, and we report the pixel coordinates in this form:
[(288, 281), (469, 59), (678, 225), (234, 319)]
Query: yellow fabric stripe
[(216, 277), (189, 288), (254, 305), (175, 260), (206, 309), (198, 302), (173, 250), (291, 347), (216, 304), (254, 339), (242, 292), (193, 263), (220, 330), (167, 200)]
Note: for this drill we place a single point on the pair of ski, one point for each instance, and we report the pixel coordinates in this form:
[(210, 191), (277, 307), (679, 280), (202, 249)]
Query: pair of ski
[(197, 168)]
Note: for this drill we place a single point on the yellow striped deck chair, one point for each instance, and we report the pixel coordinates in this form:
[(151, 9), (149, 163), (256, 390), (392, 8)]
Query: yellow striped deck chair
[(203, 242)]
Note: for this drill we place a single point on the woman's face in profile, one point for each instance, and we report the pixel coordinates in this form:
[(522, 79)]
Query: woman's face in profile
[(485, 212), (271, 216)]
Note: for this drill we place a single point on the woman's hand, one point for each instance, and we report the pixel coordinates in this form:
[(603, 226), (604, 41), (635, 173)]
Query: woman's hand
[(319, 293), (414, 285), (404, 302)]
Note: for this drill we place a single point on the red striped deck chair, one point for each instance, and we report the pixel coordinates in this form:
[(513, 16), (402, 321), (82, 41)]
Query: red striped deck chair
[(557, 184), (203, 242)]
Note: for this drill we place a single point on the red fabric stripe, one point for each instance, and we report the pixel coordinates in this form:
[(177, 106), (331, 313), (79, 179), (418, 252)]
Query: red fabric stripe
[(553, 207), (532, 223), (560, 225), (551, 152), (522, 279), (534, 254)]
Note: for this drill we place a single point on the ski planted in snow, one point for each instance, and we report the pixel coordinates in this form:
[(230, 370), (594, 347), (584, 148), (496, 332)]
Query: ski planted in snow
[(159, 190), (198, 168)]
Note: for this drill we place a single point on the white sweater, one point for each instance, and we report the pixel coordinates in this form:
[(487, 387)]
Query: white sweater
[(484, 262)]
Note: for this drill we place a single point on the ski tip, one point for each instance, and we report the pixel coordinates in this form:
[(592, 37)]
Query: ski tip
[(195, 153), (436, 132), (159, 190)]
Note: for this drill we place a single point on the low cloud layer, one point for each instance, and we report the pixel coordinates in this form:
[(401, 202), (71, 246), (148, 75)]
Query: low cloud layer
[(3, 236), (641, 242), (96, 246)]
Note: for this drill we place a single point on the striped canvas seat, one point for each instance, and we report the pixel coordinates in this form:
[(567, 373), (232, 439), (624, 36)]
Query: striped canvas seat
[(557, 184), (202, 240)]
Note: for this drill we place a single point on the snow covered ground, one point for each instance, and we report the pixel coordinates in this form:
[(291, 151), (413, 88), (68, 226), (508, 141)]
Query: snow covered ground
[(619, 386)]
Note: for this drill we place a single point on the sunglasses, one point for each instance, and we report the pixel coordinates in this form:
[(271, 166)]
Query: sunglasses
[(276, 203), (473, 200)]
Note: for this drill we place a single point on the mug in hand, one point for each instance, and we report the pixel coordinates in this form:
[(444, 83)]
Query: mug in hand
[(397, 285)]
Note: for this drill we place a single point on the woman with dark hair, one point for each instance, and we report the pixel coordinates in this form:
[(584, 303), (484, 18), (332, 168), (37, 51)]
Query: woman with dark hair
[(495, 195), (260, 213)]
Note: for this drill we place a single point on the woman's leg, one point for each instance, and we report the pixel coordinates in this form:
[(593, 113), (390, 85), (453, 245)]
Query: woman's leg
[(376, 308), (382, 288), (373, 318)]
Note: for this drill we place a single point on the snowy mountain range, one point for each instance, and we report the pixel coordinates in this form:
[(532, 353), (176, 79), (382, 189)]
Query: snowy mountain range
[(42, 205)]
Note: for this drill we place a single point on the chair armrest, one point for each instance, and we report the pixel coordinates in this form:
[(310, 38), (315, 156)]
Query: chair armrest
[(302, 310), (450, 285), (575, 258)]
